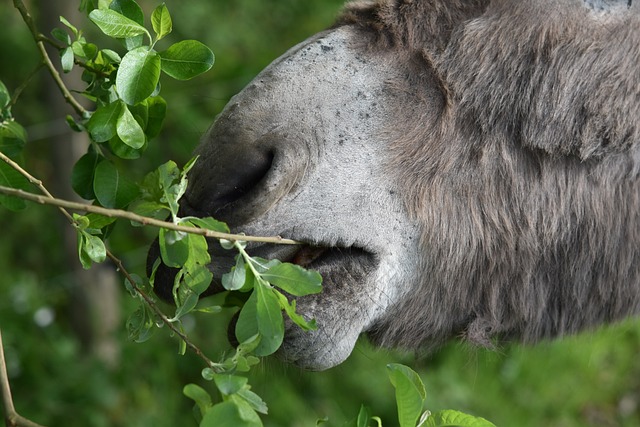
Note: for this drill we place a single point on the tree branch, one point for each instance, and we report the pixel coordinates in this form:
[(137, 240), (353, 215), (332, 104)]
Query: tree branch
[(152, 304), (119, 213), (11, 417), (37, 37)]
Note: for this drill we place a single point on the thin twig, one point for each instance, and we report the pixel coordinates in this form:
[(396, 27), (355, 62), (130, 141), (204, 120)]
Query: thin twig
[(64, 204), (7, 401), (152, 304), (34, 181), (11, 417), (49, 199), (119, 213), (37, 37), (18, 91)]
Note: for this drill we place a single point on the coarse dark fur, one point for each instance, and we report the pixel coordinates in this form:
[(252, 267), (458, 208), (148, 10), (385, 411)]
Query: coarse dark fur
[(523, 165)]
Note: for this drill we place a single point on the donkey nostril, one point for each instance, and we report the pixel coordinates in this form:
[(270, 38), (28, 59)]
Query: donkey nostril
[(242, 178), (221, 177)]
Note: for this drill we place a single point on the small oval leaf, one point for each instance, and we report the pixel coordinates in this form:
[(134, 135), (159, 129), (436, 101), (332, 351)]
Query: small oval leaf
[(174, 252), (161, 21), (235, 279), (129, 130), (294, 279), (187, 59), (66, 59), (116, 25), (94, 247), (410, 393), (82, 175), (270, 321), (103, 122), (138, 75), (111, 188)]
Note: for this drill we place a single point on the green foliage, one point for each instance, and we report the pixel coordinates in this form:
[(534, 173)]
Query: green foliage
[(410, 394), (410, 398), (186, 59)]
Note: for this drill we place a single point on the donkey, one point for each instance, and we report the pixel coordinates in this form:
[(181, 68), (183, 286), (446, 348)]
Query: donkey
[(456, 168)]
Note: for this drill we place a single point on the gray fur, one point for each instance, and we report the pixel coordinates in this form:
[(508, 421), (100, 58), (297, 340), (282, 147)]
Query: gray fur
[(484, 154)]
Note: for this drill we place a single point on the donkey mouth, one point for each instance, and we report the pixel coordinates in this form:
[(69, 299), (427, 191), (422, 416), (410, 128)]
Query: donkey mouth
[(311, 256)]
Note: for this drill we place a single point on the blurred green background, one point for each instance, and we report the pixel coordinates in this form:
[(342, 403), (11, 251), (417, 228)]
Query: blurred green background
[(68, 356)]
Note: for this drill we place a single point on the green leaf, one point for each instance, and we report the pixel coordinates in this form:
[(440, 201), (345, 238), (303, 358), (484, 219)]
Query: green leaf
[(410, 393), (168, 174), (247, 325), (229, 384), (129, 130), (94, 247), (449, 418), (82, 175), (294, 279), (186, 302), (90, 248), (61, 35), (149, 209), (66, 59), (140, 112), (13, 137), (98, 221), (235, 279), (81, 221), (363, 417), (186, 59), (138, 75), (9, 177), (290, 309), (103, 122), (248, 345), (112, 189), (212, 309), (84, 50), (210, 224), (174, 252), (124, 151), (197, 277), (270, 321), (138, 282), (116, 25), (157, 112), (198, 248), (131, 10), (67, 24), (140, 324), (229, 414), (253, 400), (128, 8), (112, 56), (208, 373), (161, 21), (198, 395)]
